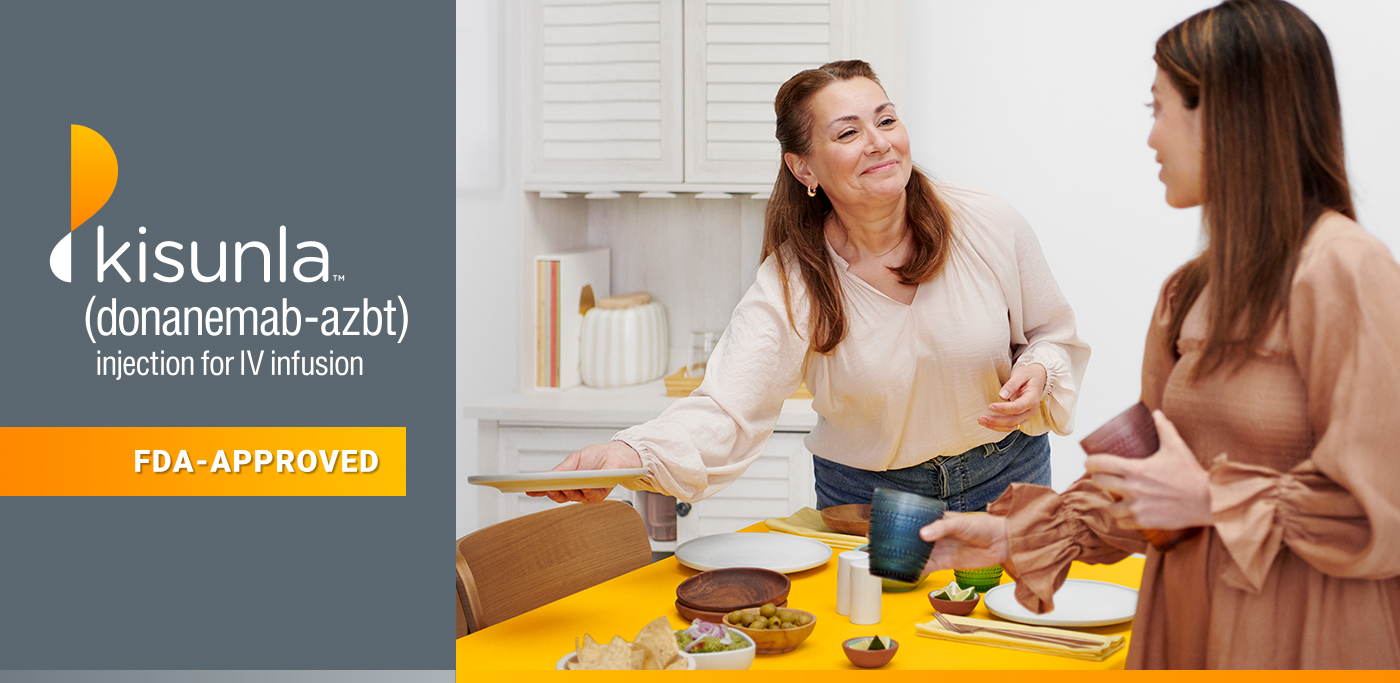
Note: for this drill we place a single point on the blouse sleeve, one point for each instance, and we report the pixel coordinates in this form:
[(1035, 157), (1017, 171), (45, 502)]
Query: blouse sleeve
[(1339, 510), (1048, 531), (702, 443), (1043, 328)]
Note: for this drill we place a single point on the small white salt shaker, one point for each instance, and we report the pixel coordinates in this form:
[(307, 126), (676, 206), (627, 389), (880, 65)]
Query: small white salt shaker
[(843, 579), (865, 593)]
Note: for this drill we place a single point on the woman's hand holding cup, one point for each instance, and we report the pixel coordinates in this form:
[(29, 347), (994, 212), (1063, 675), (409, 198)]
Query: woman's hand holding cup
[(966, 541)]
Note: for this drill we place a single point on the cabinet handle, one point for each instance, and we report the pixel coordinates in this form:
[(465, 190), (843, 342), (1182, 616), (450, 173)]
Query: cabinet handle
[(682, 509)]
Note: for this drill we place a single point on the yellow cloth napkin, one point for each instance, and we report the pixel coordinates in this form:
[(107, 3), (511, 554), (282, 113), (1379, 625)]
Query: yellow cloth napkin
[(1108, 644), (808, 522)]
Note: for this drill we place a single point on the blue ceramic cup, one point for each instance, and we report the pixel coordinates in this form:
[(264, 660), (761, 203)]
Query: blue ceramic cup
[(896, 551)]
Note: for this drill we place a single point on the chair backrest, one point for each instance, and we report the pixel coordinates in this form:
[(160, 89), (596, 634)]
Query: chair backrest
[(517, 565), (465, 623)]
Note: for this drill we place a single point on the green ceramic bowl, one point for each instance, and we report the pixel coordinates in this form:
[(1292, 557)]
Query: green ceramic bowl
[(980, 580)]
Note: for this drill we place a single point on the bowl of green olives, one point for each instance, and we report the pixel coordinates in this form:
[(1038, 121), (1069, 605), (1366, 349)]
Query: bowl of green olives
[(774, 630)]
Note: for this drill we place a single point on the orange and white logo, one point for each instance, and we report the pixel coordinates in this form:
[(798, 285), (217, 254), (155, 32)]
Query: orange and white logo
[(93, 177)]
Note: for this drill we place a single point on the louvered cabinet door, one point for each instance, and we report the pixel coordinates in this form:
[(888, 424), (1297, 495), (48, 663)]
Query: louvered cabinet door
[(737, 54), (603, 91)]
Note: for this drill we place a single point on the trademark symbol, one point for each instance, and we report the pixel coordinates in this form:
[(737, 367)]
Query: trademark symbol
[(339, 278)]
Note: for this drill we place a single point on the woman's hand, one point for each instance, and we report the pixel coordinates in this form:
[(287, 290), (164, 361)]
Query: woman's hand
[(613, 455), (1166, 490), (966, 541), (1021, 399)]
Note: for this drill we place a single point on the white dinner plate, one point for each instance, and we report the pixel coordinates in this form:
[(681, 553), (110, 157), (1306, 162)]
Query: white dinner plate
[(1079, 602), (557, 481), (783, 553)]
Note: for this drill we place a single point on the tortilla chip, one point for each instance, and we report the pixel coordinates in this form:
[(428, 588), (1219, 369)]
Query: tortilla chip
[(641, 658), (616, 655), (658, 639), (589, 652), (654, 648)]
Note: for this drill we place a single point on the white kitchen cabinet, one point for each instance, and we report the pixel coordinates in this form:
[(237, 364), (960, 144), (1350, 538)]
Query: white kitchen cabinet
[(646, 127), (602, 91), (777, 484), (677, 95)]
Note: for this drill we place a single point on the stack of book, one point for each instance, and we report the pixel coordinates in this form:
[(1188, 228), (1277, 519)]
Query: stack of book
[(566, 286)]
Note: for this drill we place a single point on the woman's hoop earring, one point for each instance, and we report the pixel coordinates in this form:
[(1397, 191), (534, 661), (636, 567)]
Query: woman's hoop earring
[(812, 191)]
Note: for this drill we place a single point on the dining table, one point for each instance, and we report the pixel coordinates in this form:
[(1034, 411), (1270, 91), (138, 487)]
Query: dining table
[(623, 605)]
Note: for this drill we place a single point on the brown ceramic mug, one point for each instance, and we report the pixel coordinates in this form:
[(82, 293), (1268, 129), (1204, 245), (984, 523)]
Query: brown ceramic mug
[(1133, 434)]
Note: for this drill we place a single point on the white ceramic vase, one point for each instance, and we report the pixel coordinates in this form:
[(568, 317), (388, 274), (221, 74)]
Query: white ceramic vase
[(620, 347)]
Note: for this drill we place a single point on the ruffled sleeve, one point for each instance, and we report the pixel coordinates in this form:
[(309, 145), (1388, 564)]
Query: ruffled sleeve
[(1340, 509), (1047, 531), (702, 443)]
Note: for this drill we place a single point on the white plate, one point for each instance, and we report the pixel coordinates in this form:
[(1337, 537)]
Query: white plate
[(557, 481), (783, 553), (1079, 602)]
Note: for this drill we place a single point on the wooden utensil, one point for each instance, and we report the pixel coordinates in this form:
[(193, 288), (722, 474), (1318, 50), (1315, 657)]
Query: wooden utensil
[(725, 590)]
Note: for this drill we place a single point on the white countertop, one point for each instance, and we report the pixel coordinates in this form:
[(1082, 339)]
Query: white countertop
[(617, 408)]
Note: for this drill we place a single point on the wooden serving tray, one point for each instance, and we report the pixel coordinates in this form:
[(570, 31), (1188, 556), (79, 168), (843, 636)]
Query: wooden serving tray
[(681, 385)]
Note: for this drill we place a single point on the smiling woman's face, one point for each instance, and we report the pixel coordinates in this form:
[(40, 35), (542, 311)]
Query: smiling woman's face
[(860, 150), (1176, 137)]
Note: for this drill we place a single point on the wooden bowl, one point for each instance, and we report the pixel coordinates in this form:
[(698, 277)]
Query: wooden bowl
[(713, 617), (777, 641), (848, 519), (959, 608), (869, 659), (725, 590)]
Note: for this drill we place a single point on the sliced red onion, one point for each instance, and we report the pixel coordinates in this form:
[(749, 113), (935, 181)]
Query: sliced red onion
[(704, 629)]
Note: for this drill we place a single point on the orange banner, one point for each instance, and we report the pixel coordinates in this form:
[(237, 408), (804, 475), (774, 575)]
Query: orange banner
[(203, 461)]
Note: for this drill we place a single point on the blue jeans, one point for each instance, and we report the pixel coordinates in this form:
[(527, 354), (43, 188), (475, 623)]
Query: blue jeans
[(966, 482)]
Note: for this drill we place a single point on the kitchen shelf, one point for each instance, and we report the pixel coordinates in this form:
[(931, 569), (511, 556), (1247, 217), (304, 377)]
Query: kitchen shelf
[(618, 408), (656, 190)]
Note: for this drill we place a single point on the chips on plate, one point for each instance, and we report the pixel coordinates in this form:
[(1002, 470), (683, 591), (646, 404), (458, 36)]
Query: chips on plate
[(653, 648)]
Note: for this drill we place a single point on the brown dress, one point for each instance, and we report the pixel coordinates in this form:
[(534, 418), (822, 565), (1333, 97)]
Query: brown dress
[(1302, 566)]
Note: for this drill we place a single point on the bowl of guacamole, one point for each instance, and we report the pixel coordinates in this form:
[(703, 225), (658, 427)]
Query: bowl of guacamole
[(716, 646)]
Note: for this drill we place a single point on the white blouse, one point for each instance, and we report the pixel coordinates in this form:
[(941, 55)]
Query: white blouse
[(908, 382)]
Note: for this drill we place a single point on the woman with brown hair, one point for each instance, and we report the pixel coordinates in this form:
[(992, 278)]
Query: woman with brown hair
[(1272, 363), (922, 316)]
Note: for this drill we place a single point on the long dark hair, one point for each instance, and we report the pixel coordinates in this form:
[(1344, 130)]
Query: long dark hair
[(794, 222), (1272, 161)]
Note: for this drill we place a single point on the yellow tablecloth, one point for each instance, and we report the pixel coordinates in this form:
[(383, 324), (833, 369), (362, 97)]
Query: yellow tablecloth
[(537, 639)]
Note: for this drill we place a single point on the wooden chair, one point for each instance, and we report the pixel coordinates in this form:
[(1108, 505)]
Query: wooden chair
[(517, 565)]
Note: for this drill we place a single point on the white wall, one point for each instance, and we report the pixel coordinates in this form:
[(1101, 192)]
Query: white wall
[(488, 213), (1040, 102)]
